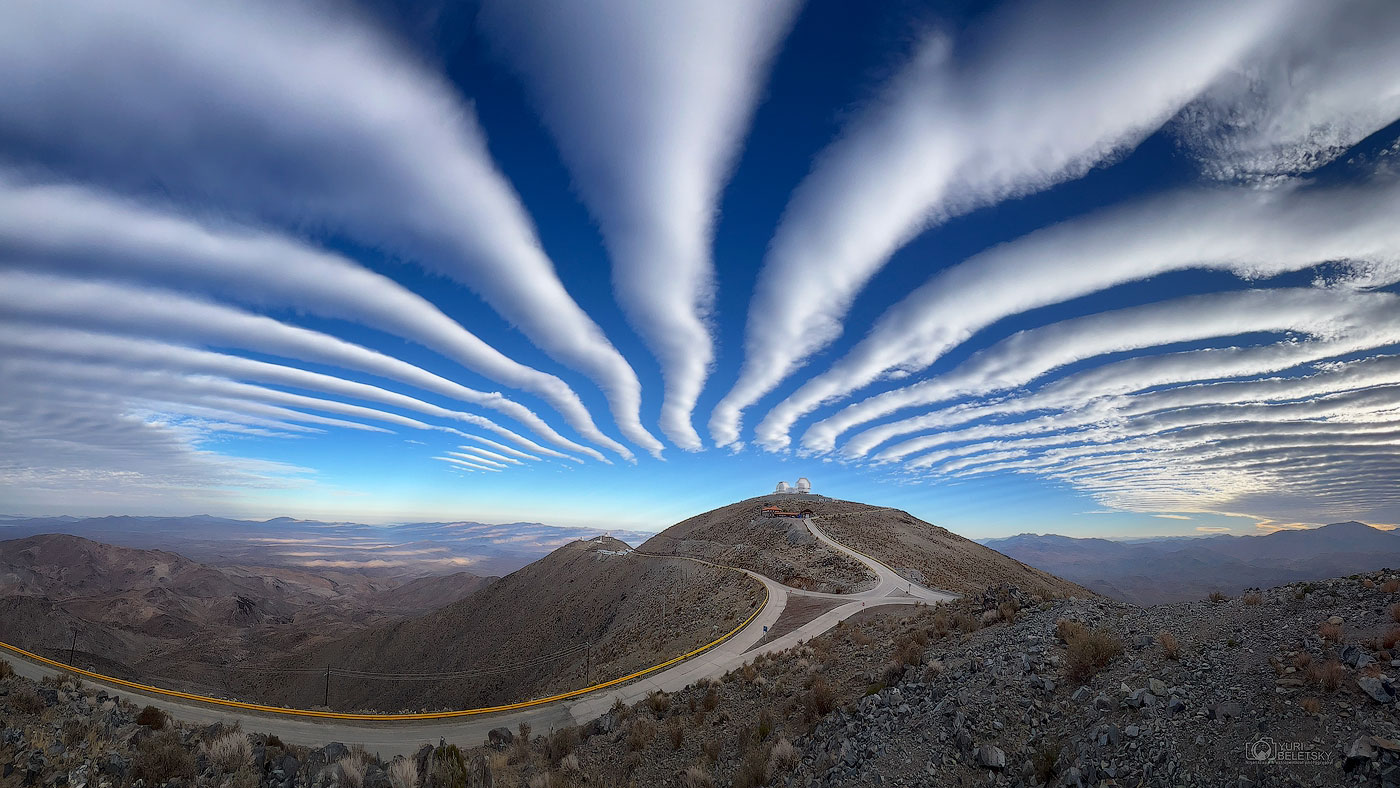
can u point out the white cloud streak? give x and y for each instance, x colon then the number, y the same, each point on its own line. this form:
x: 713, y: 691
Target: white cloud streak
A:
x: 166, y: 314
x: 146, y: 354
x: 1027, y: 103
x: 1249, y: 233
x: 77, y: 229
x: 365, y: 140
x: 648, y: 103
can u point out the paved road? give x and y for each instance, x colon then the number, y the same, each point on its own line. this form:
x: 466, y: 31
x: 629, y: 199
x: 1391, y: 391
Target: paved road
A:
x: 399, y: 737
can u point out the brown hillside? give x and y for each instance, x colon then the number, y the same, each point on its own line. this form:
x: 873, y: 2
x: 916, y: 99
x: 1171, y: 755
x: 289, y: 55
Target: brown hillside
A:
x: 778, y: 547
x: 525, y: 635
x: 158, y: 616
x: 781, y: 548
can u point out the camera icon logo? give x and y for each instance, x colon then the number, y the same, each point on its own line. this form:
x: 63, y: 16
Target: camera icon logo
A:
x: 1260, y: 750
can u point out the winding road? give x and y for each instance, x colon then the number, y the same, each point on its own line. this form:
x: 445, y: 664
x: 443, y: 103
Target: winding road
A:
x: 389, y: 738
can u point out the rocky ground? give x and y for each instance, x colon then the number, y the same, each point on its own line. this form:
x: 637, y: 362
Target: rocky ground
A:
x: 1288, y: 686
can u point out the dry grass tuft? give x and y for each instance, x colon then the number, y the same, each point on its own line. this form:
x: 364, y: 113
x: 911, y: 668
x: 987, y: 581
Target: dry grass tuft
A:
x: 711, y: 700
x: 711, y: 748
x: 659, y: 701
x: 1390, y: 586
x: 1302, y: 660
x: 161, y: 758
x: 1218, y: 596
x: 1253, y: 598
x: 1310, y: 704
x: 1395, y: 613
x: 782, y: 758
x: 1170, y: 648
x: 819, y: 700
x: 696, y: 777
x: 6, y: 669
x: 1329, y: 631
x: 229, y: 752
x: 403, y: 773
x: 1368, y: 583
x: 352, y: 769
x: 643, y: 730
x: 1390, y: 639
x: 26, y: 701
x: 1089, y: 652
x: 560, y: 744
x: 753, y: 769
x: 1068, y: 629
x: 1327, y: 675
x: 675, y: 731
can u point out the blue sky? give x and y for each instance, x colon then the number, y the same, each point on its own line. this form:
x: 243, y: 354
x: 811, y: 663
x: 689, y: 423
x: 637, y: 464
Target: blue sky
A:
x: 1094, y: 268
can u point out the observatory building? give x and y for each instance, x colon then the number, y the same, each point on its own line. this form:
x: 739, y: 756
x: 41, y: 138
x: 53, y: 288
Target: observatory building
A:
x: 804, y: 486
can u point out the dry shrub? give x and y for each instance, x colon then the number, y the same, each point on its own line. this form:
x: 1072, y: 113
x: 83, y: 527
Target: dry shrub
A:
x: 1390, y: 639
x: 1170, y: 648
x: 750, y: 672
x: 352, y: 769
x: 990, y: 617
x: 1327, y: 675
x: 711, y: 700
x: 675, y: 731
x: 711, y: 747
x: 1395, y: 613
x: 560, y: 744
x: 6, y: 669
x: 696, y: 777
x: 1310, y: 704
x: 1089, y: 652
x: 659, y: 701
x: 161, y: 757
x: 1217, y: 596
x: 1068, y: 629
x: 753, y: 769
x: 152, y: 718
x: 403, y: 772
x: 642, y: 732
x: 448, y: 768
x: 966, y: 623
x: 781, y: 758
x: 1008, y: 611
x: 571, y: 767
x: 229, y: 752
x: 74, y: 731
x: 1368, y: 583
x: 1302, y: 660
x: 765, y: 723
x: 1330, y: 631
x: 1253, y: 598
x: 1390, y: 586
x: 933, y: 670
x: 26, y: 701
x: 819, y: 700
x: 859, y: 637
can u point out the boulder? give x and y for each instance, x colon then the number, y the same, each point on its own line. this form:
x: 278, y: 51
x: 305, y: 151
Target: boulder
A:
x: 1379, y: 691
x: 500, y: 738
x: 991, y: 757
x: 1225, y: 711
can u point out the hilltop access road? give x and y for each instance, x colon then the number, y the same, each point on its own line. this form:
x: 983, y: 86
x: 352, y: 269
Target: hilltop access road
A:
x: 393, y: 737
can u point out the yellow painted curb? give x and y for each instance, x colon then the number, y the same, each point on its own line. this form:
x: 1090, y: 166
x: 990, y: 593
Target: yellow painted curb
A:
x: 432, y: 715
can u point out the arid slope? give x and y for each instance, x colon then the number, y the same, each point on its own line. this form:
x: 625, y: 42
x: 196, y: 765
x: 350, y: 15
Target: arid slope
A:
x: 528, y: 634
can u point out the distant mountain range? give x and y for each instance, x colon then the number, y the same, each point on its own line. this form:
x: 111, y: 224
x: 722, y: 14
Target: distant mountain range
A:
x: 1175, y: 569
x: 409, y: 549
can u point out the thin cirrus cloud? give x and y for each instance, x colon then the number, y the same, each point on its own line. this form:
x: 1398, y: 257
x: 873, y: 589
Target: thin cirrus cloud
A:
x: 1030, y: 105
x: 366, y: 140
x: 648, y: 103
x: 163, y: 313
x: 1250, y: 233
x: 147, y: 354
x: 70, y: 227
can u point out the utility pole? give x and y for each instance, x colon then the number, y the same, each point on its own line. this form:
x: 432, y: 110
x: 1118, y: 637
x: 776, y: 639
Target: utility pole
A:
x: 588, y: 662
x: 73, y: 647
x: 327, y: 704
